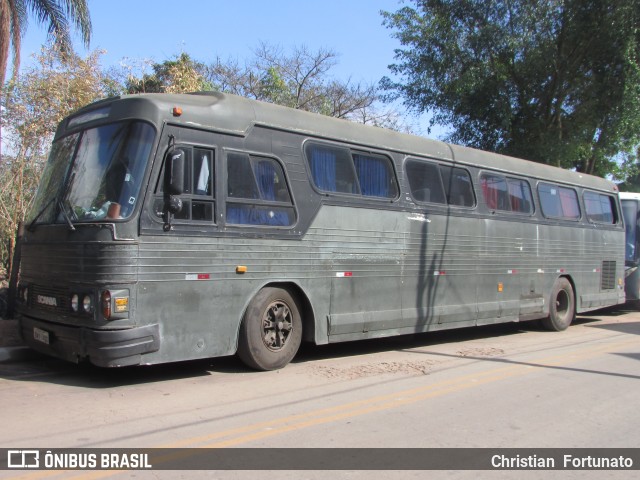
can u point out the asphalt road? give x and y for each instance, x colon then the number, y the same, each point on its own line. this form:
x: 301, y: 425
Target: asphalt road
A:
x: 503, y: 386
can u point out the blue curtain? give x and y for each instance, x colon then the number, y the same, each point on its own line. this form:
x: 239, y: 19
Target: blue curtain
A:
x: 373, y: 176
x: 238, y: 214
x: 252, y: 215
x: 323, y: 168
x: 266, y: 175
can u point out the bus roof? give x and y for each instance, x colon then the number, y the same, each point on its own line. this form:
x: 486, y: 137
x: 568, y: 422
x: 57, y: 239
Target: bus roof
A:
x: 237, y: 115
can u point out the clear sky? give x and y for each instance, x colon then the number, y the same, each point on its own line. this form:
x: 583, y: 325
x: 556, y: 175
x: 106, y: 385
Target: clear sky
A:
x: 161, y: 29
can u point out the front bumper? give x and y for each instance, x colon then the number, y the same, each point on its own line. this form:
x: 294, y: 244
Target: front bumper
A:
x: 104, y: 348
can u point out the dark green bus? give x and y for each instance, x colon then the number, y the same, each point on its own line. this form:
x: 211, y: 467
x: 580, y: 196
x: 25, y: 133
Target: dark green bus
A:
x: 176, y: 227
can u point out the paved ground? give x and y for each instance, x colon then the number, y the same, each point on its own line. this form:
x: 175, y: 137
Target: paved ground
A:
x: 508, y: 385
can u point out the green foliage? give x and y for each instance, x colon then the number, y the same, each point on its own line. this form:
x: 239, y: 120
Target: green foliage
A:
x: 552, y: 81
x: 274, y: 87
x: 172, y: 76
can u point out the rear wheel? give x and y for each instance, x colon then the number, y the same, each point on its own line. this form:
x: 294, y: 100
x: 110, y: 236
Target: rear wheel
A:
x: 271, y: 330
x: 562, y: 309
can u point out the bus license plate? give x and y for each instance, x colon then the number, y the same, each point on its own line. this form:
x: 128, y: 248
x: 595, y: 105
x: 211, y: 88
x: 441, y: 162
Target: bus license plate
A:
x: 41, y: 335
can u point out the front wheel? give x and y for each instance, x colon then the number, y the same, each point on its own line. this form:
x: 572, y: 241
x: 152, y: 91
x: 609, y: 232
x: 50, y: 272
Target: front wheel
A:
x: 562, y: 306
x: 271, y: 330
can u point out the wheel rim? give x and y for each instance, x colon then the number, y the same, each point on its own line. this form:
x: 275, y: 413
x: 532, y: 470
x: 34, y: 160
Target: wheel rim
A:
x: 277, y: 324
x: 562, y: 304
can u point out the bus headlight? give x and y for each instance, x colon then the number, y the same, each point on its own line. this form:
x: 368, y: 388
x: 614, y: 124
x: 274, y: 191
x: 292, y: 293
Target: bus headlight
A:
x: 75, y: 302
x: 87, y: 304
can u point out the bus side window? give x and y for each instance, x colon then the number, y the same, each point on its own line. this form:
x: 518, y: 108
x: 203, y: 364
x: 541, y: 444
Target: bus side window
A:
x: 494, y: 191
x: 425, y: 182
x: 558, y: 202
x: 375, y: 175
x: 202, y: 172
x: 332, y: 168
x: 336, y: 169
x: 506, y: 194
x: 520, y: 199
x: 257, y: 192
x: 241, y: 183
x: 457, y: 186
x: 600, y: 208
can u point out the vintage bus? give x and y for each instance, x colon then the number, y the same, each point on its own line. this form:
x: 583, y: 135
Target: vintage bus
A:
x: 630, y: 210
x: 176, y: 227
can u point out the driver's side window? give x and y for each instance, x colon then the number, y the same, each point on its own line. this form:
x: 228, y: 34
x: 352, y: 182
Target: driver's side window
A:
x: 198, y: 197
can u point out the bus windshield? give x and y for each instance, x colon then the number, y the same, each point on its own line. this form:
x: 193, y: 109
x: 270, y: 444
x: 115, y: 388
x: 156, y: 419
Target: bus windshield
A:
x: 94, y: 174
x: 630, y: 212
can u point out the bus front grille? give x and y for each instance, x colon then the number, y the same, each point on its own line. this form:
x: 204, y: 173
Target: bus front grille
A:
x: 49, y: 298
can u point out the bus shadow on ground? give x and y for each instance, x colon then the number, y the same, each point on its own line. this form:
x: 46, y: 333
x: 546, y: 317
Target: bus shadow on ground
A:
x: 35, y: 367
x: 310, y: 352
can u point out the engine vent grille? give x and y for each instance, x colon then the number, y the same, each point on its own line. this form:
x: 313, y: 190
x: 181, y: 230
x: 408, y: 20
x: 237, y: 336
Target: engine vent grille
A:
x: 608, y: 278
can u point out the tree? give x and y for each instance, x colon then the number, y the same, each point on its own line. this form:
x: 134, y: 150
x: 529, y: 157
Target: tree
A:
x: 548, y: 80
x: 56, y: 13
x: 172, y: 76
x: 37, y: 101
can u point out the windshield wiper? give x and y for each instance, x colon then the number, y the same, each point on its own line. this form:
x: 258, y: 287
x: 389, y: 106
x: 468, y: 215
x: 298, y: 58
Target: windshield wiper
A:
x: 66, y: 215
x: 64, y: 198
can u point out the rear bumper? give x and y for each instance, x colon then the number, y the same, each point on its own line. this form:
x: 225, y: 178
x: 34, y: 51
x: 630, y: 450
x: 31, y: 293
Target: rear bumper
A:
x: 104, y: 348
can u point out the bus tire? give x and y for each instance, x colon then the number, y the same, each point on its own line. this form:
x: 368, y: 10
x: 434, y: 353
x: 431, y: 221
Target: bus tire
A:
x: 562, y: 308
x: 271, y: 330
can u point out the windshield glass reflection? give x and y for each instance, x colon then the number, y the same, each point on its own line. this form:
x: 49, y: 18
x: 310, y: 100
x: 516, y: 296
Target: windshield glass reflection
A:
x: 101, y: 170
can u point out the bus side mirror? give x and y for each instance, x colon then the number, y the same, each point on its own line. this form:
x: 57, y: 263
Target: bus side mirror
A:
x: 173, y: 185
x: 174, y: 172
